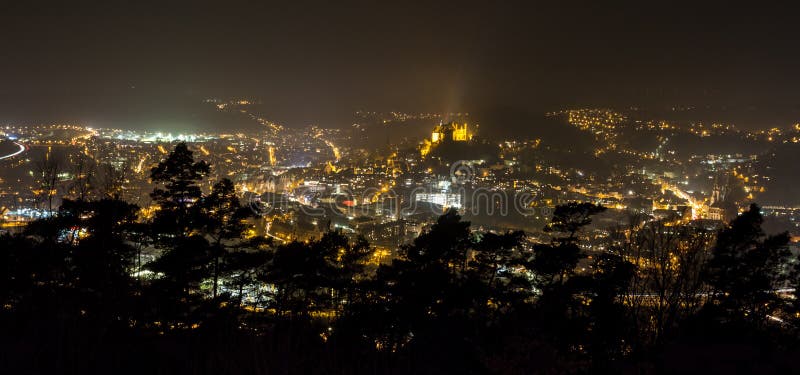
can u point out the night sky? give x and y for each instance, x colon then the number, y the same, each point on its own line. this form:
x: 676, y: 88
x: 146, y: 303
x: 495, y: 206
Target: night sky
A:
x: 144, y: 64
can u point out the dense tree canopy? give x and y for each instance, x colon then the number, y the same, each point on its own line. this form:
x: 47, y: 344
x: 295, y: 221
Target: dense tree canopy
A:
x: 77, y: 296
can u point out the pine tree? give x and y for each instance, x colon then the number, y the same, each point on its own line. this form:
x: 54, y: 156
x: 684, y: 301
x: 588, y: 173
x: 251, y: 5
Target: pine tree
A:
x: 177, y: 192
x: 223, y: 219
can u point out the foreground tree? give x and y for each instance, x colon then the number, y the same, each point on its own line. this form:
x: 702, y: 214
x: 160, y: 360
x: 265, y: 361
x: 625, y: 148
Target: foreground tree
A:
x: 176, y: 228
x: 440, y: 297
x: 223, y: 220
x: 177, y: 192
x: 47, y: 169
x: 556, y: 262
x: 747, y: 268
x: 563, y: 295
x: 315, y: 277
x: 667, y: 286
x: 454, y: 300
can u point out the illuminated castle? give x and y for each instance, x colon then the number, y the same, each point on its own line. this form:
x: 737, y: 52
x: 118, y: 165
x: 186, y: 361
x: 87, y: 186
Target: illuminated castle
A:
x: 458, y: 132
x: 451, y: 131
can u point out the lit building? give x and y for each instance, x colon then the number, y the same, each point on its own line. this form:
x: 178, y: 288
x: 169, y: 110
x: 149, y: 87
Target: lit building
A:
x: 446, y: 200
x: 460, y: 132
x: 455, y: 131
x: 716, y: 213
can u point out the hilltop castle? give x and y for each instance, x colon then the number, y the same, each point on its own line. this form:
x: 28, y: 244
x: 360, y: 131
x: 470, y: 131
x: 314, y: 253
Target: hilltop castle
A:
x: 457, y: 132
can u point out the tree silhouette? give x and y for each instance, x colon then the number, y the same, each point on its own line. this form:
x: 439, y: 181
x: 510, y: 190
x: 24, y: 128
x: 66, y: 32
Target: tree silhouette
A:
x: 454, y: 300
x: 498, y: 263
x: 175, y: 295
x: 747, y: 267
x: 667, y: 285
x: 563, y: 295
x: 556, y: 262
x: 609, y: 322
x: 83, y: 170
x: 47, y: 170
x: 110, y: 179
x: 177, y: 192
x: 175, y: 291
x: 314, y: 276
x: 223, y: 219
x: 242, y: 268
x: 570, y: 218
x: 435, y: 301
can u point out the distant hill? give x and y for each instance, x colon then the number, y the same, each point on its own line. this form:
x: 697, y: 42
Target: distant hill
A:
x: 781, y: 166
x: 510, y: 123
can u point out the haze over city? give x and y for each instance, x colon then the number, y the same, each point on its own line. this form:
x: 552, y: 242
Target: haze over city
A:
x: 144, y: 65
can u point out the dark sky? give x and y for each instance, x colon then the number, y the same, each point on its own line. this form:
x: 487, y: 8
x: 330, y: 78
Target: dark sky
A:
x: 147, y: 62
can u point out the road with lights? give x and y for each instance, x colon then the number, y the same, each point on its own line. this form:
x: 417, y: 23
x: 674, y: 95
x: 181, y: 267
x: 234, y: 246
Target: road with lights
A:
x: 11, y: 155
